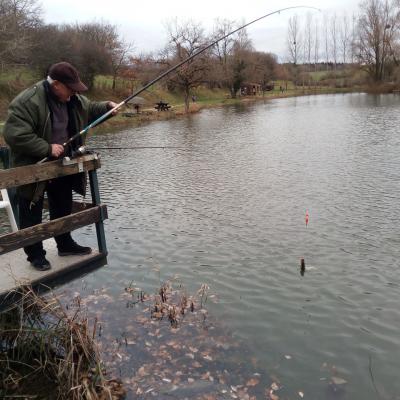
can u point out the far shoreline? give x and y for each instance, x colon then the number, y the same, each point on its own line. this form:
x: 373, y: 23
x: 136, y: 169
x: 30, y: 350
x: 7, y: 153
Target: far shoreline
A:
x: 148, y: 115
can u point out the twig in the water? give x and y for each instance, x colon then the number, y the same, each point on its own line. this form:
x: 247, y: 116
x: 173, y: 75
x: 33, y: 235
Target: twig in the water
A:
x: 372, y: 377
x: 203, y: 292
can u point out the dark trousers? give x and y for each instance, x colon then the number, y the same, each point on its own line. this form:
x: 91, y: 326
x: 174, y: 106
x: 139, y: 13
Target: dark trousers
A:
x: 59, y: 194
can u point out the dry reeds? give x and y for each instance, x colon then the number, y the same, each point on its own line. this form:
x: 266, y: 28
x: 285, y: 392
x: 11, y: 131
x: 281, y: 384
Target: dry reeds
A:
x: 48, y: 353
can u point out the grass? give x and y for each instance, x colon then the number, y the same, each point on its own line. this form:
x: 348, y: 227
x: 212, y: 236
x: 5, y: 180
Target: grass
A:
x: 48, y: 352
x: 22, y: 74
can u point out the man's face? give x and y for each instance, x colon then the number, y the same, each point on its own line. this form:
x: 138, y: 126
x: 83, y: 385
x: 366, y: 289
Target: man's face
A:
x: 62, y: 91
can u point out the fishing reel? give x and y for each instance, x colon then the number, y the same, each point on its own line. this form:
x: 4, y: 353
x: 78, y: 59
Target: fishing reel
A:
x: 80, y: 151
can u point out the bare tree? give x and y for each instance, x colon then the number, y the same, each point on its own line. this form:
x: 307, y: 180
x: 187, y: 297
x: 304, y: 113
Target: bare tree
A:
x: 378, y: 27
x: 326, y: 40
x: 119, y: 58
x: 316, y: 45
x: 344, y: 38
x: 223, y: 52
x: 308, y: 39
x: 293, y: 39
x: 60, y: 47
x: 18, y: 20
x: 240, y: 60
x: 261, y: 68
x: 90, y: 46
x: 185, y: 39
x: 334, y: 40
x: 294, y: 43
x: 353, y: 38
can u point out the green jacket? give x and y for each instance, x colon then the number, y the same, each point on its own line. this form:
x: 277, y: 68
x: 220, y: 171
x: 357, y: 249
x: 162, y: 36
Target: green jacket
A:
x: 28, y: 130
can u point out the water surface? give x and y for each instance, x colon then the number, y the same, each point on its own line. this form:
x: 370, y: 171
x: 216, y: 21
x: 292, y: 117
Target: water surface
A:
x: 226, y: 207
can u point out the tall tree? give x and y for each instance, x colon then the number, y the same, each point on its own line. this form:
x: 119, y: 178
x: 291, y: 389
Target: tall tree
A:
x: 334, y: 41
x: 308, y: 40
x: 344, y: 38
x: 294, y: 44
x: 18, y: 20
x: 316, y: 45
x: 223, y: 52
x: 326, y: 40
x: 240, y: 60
x: 120, y: 55
x: 92, y: 47
x: 263, y: 68
x: 95, y: 43
x: 378, y: 27
x: 185, y: 39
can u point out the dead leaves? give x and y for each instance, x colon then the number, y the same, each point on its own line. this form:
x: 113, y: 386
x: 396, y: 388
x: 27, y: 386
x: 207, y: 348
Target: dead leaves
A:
x: 253, y: 382
x: 338, y: 381
x: 270, y: 392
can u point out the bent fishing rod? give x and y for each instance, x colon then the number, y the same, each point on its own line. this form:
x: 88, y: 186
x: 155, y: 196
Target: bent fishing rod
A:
x: 111, y: 112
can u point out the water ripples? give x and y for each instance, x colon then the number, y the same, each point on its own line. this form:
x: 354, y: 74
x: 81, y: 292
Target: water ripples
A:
x: 227, y: 208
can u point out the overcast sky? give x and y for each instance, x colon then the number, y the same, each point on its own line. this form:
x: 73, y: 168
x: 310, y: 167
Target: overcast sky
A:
x: 143, y: 22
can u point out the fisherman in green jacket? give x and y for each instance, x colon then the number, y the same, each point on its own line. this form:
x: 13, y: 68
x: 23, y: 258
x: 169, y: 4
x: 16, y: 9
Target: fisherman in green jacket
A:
x: 40, y: 119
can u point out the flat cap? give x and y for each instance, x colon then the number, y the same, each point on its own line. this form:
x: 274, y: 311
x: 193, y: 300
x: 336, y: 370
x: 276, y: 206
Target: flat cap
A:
x: 67, y: 74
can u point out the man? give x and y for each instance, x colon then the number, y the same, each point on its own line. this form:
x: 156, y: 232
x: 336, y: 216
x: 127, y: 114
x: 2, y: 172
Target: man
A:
x: 40, y: 119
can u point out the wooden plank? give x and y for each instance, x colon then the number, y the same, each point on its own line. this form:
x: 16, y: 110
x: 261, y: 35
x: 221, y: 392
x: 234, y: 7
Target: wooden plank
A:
x: 48, y: 170
x: 15, y: 271
x: 28, y: 236
x: 94, y: 189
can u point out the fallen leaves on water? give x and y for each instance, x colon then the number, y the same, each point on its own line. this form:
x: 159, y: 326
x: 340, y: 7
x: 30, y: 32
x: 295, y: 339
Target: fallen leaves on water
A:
x: 274, y: 386
x: 252, y: 382
x: 169, y: 346
x: 270, y: 395
x: 338, y: 381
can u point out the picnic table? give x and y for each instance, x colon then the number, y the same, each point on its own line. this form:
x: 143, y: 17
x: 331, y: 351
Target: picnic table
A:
x: 162, y: 106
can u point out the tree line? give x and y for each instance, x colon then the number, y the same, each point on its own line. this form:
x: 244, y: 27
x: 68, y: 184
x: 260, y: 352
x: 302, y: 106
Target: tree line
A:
x: 98, y: 48
x: 26, y: 40
x: 369, y: 40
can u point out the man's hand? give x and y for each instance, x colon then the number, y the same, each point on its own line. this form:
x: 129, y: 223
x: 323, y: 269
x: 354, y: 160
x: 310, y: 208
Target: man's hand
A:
x: 56, y: 150
x: 111, y: 105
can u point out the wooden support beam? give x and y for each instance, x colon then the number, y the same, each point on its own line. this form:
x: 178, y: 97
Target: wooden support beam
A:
x: 49, y: 170
x: 28, y: 236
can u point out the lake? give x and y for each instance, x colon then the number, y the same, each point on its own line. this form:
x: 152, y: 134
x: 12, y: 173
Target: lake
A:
x: 223, y: 203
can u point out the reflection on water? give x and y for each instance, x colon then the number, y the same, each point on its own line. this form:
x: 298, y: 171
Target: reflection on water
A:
x: 227, y: 208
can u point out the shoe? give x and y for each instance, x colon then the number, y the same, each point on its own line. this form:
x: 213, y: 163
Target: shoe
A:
x: 40, y: 264
x: 73, y: 249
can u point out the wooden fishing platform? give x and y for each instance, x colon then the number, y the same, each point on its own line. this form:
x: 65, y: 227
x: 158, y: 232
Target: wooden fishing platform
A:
x: 15, y: 270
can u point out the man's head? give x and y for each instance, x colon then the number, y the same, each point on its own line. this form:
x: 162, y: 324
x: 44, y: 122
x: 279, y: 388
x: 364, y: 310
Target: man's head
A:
x: 65, y: 81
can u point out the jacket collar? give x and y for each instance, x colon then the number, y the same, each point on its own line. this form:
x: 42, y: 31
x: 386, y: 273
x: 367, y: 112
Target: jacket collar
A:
x: 73, y: 102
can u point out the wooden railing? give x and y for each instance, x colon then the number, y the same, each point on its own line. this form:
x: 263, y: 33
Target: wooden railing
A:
x: 92, y: 213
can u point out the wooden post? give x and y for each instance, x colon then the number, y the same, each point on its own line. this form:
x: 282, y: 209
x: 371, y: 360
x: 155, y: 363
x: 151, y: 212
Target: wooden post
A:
x: 94, y: 189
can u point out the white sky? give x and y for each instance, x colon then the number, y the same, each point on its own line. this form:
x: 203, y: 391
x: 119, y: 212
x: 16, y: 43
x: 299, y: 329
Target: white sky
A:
x: 143, y: 21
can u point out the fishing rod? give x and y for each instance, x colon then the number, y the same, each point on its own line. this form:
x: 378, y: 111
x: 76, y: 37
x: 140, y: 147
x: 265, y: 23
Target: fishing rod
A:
x: 82, y: 149
x: 111, y: 112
